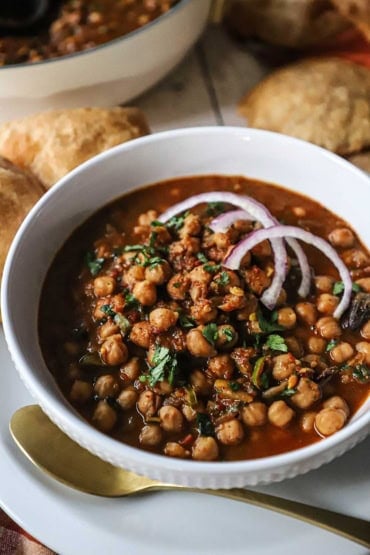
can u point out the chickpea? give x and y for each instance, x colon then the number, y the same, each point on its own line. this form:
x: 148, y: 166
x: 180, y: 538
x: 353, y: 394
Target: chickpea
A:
x: 364, y: 283
x: 202, y: 311
x: 221, y: 366
x: 103, y: 286
x: 329, y: 420
x: 328, y: 327
x: 104, y: 417
x: 254, y: 414
x: 158, y: 273
x: 98, y: 313
x: 145, y: 292
x: 81, y: 392
x: 337, y: 402
x: 189, y: 413
x: 286, y: 317
x: 178, y: 286
x: 365, y: 330
x: 113, y: 351
x: 327, y: 303
x: 308, y: 421
x: 173, y: 449
x: 227, y: 336
x: 162, y: 319
x: 141, y: 334
x: 146, y: 218
x: 198, y: 345
x: 280, y: 414
x: 341, y: 237
x: 127, y: 398
x: 230, y: 432
x: 355, y: 258
x: 307, y: 313
x: 106, y: 386
x: 205, y: 449
x: 200, y: 275
x: 316, y: 345
x: 148, y: 403
x: 150, y: 435
x: 199, y: 382
x: 284, y: 366
x: 364, y: 348
x: 131, y: 370
x: 324, y: 284
x: 163, y: 387
x: 171, y: 419
x: 134, y: 274
x: 192, y: 226
x: 341, y: 352
x: 107, y: 329
x: 308, y: 392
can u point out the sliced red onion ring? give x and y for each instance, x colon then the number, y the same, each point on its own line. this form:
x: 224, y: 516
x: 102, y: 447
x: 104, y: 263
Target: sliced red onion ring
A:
x: 222, y: 223
x: 234, y: 259
x: 259, y: 213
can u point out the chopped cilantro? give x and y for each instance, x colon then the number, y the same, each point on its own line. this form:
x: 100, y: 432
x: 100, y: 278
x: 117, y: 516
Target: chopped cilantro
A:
x: 228, y: 333
x: 215, y: 208
x: 131, y: 300
x: 234, y: 386
x: 276, y: 343
x: 152, y: 262
x: 122, y: 322
x: 361, y: 373
x: 133, y: 248
x: 264, y: 381
x: 224, y: 278
x: 177, y: 284
x: 332, y: 343
x: 164, y: 366
x: 156, y: 223
x: 288, y: 392
x: 176, y: 222
x: 210, y: 332
x: 94, y: 264
x: 211, y: 267
x: 268, y: 326
x: 185, y: 321
x: 338, y: 288
x: 202, y: 258
x: 205, y: 425
x: 108, y: 310
x: 152, y: 239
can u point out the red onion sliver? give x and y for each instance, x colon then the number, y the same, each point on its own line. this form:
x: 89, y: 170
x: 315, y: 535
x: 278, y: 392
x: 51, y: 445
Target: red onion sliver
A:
x: 233, y: 260
x: 259, y: 213
x: 222, y: 222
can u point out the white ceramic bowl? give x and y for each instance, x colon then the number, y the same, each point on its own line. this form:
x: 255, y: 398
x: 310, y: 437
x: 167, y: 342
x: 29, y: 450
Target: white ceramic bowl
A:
x: 111, y: 73
x: 215, y: 150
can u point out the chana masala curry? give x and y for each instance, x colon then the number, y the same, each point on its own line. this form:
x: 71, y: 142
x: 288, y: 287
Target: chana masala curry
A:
x: 211, y: 318
x: 75, y: 25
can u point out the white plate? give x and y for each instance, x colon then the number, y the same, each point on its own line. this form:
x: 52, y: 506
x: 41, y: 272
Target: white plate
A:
x: 168, y: 523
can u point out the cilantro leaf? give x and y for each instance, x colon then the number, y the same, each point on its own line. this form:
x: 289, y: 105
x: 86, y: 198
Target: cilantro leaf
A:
x: 186, y: 322
x: 215, y: 208
x: 164, y: 365
x: 288, y: 392
x: 228, y: 333
x: 202, y: 258
x: 276, y: 343
x: 211, y: 267
x: 224, y: 278
x: 268, y: 326
x: 122, y: 322
x: 94, y: 264
x: 234, y: 386
x: 205, y: 425
x: 108, y: 310
x: 176, y: 222
x: 332, y: 343
x: 210, y: 332
x: 338, y: 288
x: 361, y: 373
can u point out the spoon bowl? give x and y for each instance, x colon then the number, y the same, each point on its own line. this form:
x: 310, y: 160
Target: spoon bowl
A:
x: 76, y: 467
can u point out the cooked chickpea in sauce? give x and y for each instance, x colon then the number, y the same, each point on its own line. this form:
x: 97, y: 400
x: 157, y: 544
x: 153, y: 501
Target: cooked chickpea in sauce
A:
x: 159, y: 339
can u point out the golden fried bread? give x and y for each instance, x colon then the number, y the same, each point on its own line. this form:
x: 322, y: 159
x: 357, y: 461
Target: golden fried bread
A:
x: 51, y: 144
x: 357, y: 12
x: 361, y: 160
x: 325, y: 101
x: 306, y: 23
x: 19, y: 191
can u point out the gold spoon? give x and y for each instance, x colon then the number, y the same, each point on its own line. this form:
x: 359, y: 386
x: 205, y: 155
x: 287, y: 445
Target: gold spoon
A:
x: 54, y: 452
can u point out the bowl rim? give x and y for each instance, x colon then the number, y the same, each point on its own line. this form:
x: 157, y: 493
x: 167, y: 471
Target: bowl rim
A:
x: 53, y: 406
x: 132, y: 34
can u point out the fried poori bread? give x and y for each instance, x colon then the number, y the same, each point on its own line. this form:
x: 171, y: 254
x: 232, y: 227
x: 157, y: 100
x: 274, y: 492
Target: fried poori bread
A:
x: 361, y: 160
x: 357, y: 12
x: 296, y: 24
x: 19, y: 191
x: 325, y: 101
x: 51, y: 144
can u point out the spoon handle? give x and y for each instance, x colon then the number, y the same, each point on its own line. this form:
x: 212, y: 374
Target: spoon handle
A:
x: 352, y: 528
